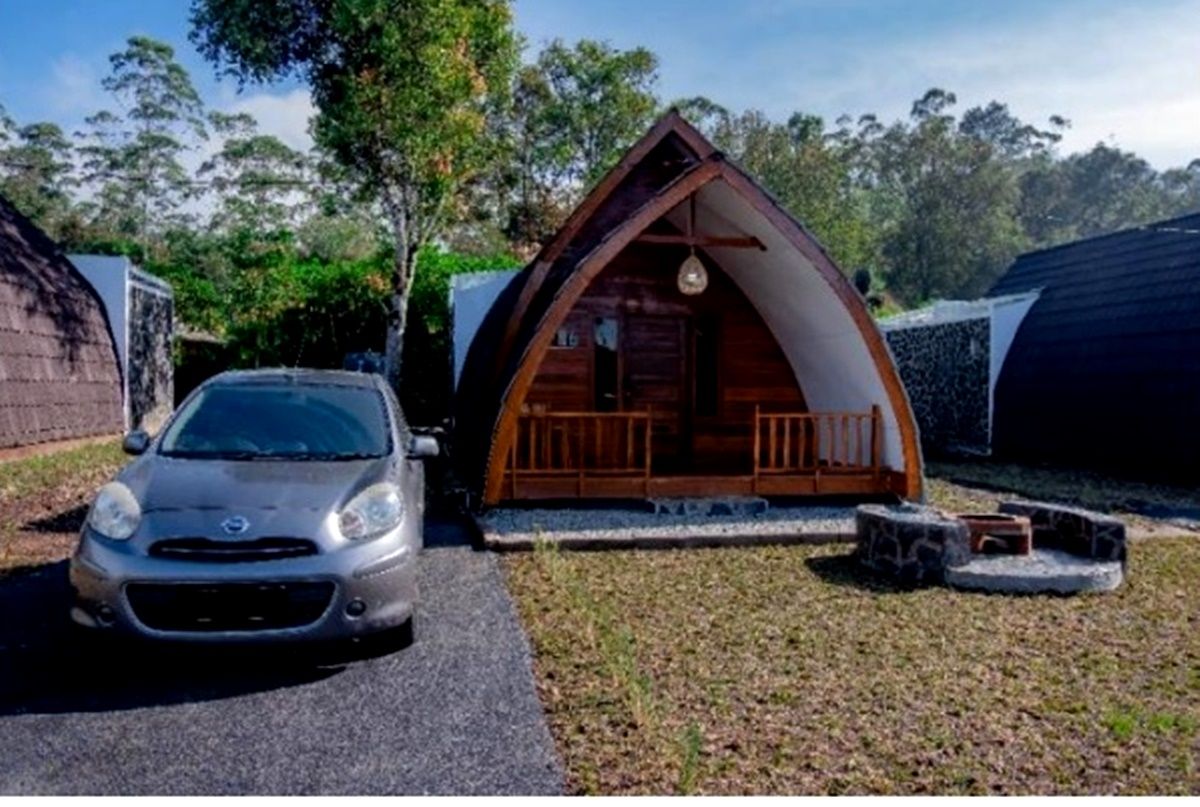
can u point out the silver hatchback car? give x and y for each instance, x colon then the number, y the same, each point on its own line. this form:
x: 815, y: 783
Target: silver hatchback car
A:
x: 274, y: 504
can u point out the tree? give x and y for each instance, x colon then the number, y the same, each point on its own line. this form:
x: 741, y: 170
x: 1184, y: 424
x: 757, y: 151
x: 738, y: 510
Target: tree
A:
x: 1011, y: 138
x: 259, y: 180
x: 37, y: 173
x: 944, y: 203
x: 577, y: 109
x: 135, y: 161
x: 404, y: 93
x: 1182, y: 186
x: 1094, y: 192
x: 807, y: 169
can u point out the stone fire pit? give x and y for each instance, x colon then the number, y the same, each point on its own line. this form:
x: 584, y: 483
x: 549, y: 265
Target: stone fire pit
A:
x: 910, y: 543
x: 998, y: 533
x: 1029, y: 547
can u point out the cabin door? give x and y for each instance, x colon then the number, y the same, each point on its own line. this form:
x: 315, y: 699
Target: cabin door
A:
x: 654, y: 360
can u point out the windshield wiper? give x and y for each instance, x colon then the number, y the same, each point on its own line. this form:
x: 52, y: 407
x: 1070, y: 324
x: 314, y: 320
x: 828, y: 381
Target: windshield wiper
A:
x: 329, y: 456
x: 214, y: 455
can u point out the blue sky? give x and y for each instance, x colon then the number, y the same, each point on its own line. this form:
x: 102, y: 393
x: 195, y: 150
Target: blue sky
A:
x: 1123, y: 73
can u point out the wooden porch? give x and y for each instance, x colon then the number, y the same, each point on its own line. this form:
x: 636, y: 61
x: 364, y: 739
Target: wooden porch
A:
x: 611, y: 455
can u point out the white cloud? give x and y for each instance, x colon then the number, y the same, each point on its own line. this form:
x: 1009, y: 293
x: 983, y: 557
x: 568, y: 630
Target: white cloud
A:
x: 74, y: 86
x: 1128, y: 76
x: 285, y: 116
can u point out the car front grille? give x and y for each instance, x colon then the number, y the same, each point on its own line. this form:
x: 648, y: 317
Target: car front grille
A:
x: 209, y: 607
x: 207, y: 550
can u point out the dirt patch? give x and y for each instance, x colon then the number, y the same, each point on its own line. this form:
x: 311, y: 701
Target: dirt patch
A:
x: 43, y: 501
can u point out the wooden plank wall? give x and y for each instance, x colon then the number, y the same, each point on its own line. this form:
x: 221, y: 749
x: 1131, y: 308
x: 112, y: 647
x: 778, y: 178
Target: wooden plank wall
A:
x: 752, y: 369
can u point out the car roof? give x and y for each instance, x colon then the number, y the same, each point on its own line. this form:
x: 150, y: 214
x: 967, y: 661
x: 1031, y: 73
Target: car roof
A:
x: 297, y: 375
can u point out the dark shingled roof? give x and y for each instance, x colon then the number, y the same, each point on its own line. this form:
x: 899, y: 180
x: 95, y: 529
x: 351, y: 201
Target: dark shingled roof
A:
x: 59, y: 374
x: 1105, y: 369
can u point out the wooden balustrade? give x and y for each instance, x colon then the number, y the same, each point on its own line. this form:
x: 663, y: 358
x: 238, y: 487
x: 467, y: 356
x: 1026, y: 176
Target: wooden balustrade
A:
x: 610, y: 454
x: 808, y: 442
x: 581, y: 444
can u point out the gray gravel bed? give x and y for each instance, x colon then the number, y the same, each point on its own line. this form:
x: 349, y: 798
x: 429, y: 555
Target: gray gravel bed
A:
x: 455, y: 713
x: 520, y: 529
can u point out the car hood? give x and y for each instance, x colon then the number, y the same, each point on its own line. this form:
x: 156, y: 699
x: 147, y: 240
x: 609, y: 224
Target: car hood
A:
x: 166, y: 483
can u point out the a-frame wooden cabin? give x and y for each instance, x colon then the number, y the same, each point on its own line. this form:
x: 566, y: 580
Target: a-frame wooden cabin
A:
x: 614, y: 366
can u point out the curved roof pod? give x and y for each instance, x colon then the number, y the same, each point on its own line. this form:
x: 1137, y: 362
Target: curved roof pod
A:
x: 59, y: 373
x: 1103, y: 371
x: 819, y: 320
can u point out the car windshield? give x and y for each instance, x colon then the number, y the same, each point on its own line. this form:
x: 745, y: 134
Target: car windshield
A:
x: 280, y: 421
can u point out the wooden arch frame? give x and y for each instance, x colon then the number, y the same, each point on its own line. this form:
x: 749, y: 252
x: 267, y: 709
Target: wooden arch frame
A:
x: 710, y: 169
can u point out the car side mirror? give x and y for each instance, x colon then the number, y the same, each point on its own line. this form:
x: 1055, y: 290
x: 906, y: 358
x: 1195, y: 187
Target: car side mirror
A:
x: 422, y: 447
x: 136, y: 442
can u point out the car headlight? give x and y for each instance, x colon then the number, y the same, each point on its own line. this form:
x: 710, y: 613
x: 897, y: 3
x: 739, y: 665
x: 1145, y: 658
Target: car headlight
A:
x: 374, y: 511
x: 115, y: 513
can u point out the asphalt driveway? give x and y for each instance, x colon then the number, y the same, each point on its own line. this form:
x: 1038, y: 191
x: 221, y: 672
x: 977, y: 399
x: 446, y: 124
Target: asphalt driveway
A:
x: 456, y: 713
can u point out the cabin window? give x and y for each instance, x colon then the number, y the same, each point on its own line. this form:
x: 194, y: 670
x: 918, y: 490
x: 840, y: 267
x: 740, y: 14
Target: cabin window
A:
x: 707, y: 358
x: 566, y: 337
x: 605, y: 372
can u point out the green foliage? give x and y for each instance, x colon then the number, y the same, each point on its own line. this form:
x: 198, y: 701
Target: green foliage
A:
x: 427, y: 381
x: 690, y: 741
x: 947, y: 222
x: 286, y: 310
x: 198, y: 301
x: 136, y: 161
x: 255, y: 176
x: 811, y: 173
x: 577, y: 109
x: 36, y: 172
x: 404, y: 97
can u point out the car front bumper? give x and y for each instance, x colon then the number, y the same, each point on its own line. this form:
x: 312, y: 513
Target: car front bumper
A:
x: 351, y: 592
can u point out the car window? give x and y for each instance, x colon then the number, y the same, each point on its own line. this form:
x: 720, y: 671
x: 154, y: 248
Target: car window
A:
x: 280, y: 421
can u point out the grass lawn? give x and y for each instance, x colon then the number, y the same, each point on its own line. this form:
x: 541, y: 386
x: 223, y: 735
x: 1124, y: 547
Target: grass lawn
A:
x: 43, y: 501
x: 965, y: 484
x: 788, y: 670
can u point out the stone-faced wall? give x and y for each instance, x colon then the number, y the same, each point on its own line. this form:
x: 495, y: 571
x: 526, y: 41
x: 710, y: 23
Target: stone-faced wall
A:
x: 151, y: 371
x: 1072, y: 529
x: 946, y: 369
x: 909, y: 543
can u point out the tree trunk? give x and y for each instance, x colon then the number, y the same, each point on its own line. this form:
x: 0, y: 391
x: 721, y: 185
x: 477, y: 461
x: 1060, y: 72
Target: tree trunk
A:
x: 402, y: 275
x: 394, y: 352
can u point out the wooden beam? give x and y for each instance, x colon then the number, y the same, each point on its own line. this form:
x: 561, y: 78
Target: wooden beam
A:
x: 701, y: 240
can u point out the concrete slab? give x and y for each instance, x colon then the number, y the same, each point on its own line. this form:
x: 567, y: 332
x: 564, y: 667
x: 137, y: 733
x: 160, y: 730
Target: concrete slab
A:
x: 1042, y: 571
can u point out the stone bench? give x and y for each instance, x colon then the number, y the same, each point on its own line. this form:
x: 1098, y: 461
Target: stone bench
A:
x: 910, y: 543
x: 1072, y: 529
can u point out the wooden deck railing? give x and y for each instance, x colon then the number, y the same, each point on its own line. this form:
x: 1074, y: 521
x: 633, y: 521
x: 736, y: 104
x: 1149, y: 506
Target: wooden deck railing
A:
x: 807, y: 442
x: 581, y: 444
x: 610, y: 454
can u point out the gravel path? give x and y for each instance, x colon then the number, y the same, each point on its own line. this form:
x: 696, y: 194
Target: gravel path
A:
x: 600, y: 528
x: 456, y: 713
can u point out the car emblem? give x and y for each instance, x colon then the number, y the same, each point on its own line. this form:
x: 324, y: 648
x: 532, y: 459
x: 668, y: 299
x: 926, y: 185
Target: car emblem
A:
x: 235, y: 525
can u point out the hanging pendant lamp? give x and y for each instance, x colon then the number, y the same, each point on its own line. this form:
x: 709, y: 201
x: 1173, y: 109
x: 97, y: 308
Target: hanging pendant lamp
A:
x: 693, y: 277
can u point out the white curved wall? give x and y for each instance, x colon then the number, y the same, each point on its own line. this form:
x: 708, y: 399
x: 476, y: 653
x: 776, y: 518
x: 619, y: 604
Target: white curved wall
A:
x: 815, y: 330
